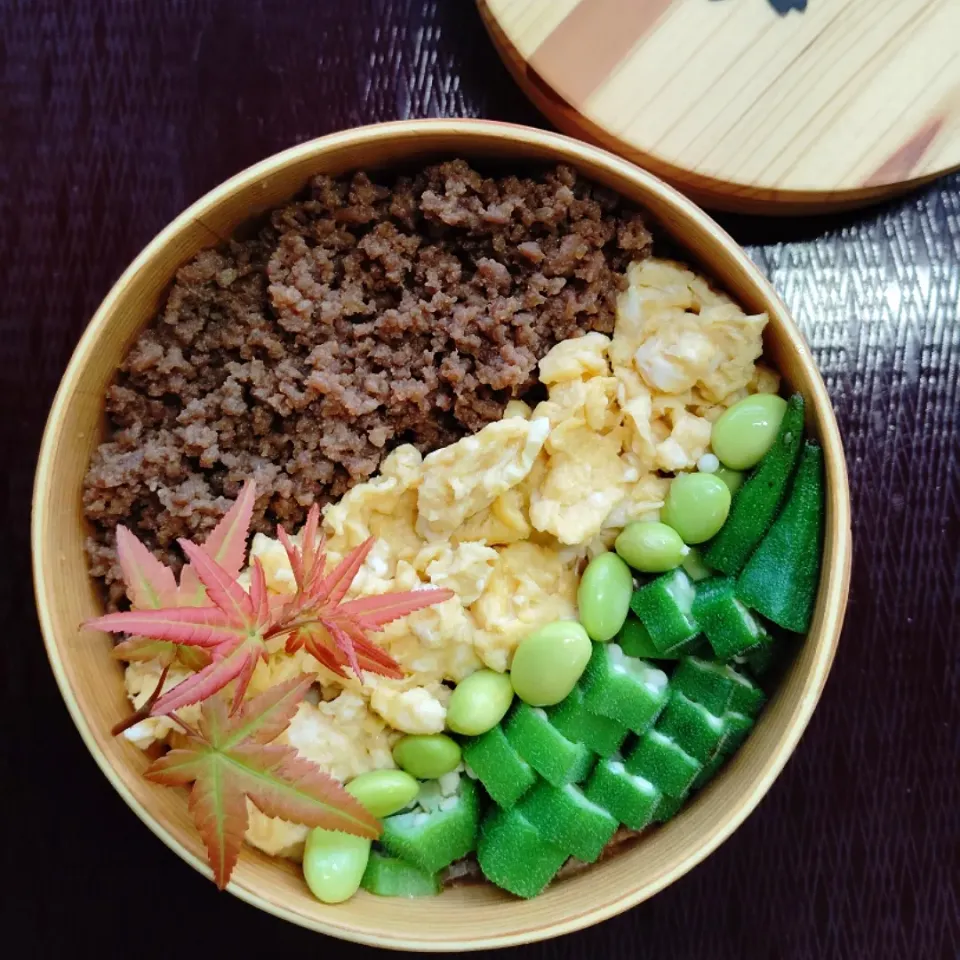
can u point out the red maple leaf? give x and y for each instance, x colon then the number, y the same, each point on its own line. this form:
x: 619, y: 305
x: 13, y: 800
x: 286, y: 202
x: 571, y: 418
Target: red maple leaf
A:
x: 231, y: 757
x: 317, y: 609
x: 234, y: 631
x: 151, y: 584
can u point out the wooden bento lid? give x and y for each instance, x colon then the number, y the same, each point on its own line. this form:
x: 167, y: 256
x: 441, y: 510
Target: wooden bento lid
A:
x: 763, y: 106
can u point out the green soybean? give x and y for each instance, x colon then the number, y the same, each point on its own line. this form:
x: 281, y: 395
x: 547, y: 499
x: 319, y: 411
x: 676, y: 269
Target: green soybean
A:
x: 603, y: 597
x: 697, y: 505
x: 694, y: 566
x: 426, y: 756
x: 333, y: 864
x: 479, y: 702
x: 384, y: 792
x: 732, y: 478
x: 547, y: 664
x: 747, y: 430
x: 650, y: 547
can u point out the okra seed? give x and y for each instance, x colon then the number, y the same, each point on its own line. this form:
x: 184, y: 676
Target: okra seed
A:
x: 708, y: 463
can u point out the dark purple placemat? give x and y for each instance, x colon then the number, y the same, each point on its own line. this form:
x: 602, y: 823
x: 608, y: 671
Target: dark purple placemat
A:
x: 114, y: 115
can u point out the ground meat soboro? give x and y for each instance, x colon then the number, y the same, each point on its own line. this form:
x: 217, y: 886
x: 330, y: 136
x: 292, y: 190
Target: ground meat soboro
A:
x: 359, y: 318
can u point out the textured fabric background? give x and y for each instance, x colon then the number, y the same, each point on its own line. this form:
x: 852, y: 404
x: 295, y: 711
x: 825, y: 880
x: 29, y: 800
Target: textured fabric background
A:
x: 116, y: 114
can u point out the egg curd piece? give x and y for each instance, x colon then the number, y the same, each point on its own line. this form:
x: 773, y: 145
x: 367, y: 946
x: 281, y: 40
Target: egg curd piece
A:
x: 436, y: 643
x: 281, y: 666
x: 585, y: 479
x: 433, y: 644
x: 384, y: 507
x: 507, y: 519
x: 531, y: 586
x: 576, y: 359
x: 517, y: 408
x: 276, y: 564
x: 342, y: 736
x: 504, y: 521
x: 466, y: 477
x: 416, y: 710
x: 688, y: 442
x: 140, y: 680
x: 594, y: 401
x: 642, y: 501
x: 682, y: 334
x: 636, y: 402
x: 682, y: 353
x: 464, y: 568
x: 274, y: 836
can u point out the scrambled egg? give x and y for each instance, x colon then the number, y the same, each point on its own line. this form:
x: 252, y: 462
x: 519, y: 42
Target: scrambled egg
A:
x: 342, y: 736
x: 469, y: 475
x: 506, y: 518
x: 532, y: 586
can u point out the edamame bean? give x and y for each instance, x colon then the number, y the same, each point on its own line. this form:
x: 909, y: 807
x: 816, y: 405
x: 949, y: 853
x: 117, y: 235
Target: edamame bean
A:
x: 333, y: 864
x: 747, y: 430
x: 547, y: 664
x: 697, y: 505
x: 603, y: 596
x: 694, y: 566
x: 732, y: 478
x: 651, y: 547
x: 426, y: 756
x: 479, y: 702
x: 384, y: 792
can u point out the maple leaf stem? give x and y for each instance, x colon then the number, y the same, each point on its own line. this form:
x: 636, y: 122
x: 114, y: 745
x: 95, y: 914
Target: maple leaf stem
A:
x: 183, y: 723
x: 144, y: 711
x: 288, y: 628
x: 127, y: 723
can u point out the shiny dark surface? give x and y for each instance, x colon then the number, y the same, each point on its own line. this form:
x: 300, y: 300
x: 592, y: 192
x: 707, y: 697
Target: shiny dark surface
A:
x: 116, y: 114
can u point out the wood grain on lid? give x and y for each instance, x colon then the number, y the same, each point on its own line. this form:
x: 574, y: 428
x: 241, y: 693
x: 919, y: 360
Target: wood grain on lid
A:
x: 590, y: 42
x: 844, y: 101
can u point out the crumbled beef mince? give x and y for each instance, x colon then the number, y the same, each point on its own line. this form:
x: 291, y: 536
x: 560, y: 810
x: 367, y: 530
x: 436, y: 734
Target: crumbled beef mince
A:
x: 358, y: 318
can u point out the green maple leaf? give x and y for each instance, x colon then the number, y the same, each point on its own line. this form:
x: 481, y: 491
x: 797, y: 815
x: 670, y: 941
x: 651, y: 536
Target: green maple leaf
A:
x: 231, y: 757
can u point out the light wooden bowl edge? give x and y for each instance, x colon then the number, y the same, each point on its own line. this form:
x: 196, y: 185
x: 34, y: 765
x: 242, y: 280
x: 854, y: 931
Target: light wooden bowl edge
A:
x: 837, y: 577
